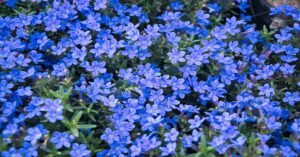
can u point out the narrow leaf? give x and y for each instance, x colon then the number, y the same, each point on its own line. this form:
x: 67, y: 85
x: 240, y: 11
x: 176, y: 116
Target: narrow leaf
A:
x: 76, y: 117
x: 86, y: 126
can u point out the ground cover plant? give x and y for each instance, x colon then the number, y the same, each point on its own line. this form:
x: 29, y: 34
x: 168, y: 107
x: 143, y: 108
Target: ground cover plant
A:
x: 148, y: 78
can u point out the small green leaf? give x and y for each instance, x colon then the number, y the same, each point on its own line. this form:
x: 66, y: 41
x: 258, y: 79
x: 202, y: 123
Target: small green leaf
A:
x: 68, y: 107
x: 92, y: 117
x: 76, y: 117
x: 91, y: 134
x: 210, y: 148
x: 75, y: 132
x: 210, y: 155
x: 203, y: 141
x: 67, y: 123
x: 86, y: 126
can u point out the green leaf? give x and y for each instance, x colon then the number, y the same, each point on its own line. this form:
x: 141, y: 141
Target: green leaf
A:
x: 76, y: 117
x: 210, y: 155
x: 68, y: 107
x: 67, y: 123
x: 86, y: 126
x: 55, y: 94
x: 91, y: 134
x: 210, y: 148
x: 203, y: 141
x: 199, y: 154
x: 92, y: 117
x: 75, y: 132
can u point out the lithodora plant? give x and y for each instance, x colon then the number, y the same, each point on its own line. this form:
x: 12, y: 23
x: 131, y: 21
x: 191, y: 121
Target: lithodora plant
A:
x: 133, y: 78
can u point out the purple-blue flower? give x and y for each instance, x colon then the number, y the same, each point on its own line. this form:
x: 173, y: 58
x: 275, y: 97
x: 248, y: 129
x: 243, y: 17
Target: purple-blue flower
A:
x: 61, y: 139
x: 176, y: 56
x: 168, y: 150
x: 196, y: 122
x: 172, y: 135
x: 35, y: 133
x: 266, y: 90
x: 79, y: 150
x: 53, y: 109
x: 291, y: 98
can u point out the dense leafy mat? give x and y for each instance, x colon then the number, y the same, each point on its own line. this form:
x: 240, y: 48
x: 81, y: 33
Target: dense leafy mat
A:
x: 147, y: 78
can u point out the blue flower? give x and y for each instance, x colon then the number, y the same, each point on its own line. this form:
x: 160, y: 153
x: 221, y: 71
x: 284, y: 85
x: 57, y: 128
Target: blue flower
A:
x: 61, y: 139
x: 215, y: 89
x: 36, y: 57
x: 173, y: 38
x: 54, y: 110
x: 188, y: 70
x: 239, y: 141
x: 291, y: 98
x: 267, y: 150
x: 196, y: 122
x: 211, y: 45
x: 109, y: 136
x: 22, y: 61
x: 263, y: 138
x: 266, y: 90
x: 110, y: 101
x: 176, y: 5
x: 288, y: 58
x: 152, y: 123
x: 287, y: 69
x: 52, y: 23
x: 177, y: 84
x: 135, y: 150
x: 79, y: 54
x: 24, y: 91
x: 144, y: 42
x: 79, y: 150
x: 11, y: 152
x: 5, y: 88
x: 107, y: 46
x: 214, y: 7
x: 286, y: 151
x: 272, y: 124
x: 171, y: 136
x: 243, y: 5
x: 197, y: 58
x: 168, y: 150
x: 35, y: 133
x: 143, y: 18
x: 29, y: 150
x: 59, y: 70
x: 152, y: 31
x: 283, y: 36
x: 82, y: 38
x: 44, y: 43
x: 96, y: 68
x: 187, y: 141
x: 132, y: 32
x: 202, y: 18
x: 169, y: 16
x: 100, y: 4
x: 10, y: 130
x: 126, y: 74
x: 296, y: 126
x: 219, y: 33
x: 176, y: 56
x: 58, y: 49
x: 156, y: 96
x: 217, y: 141
x: 134, y: 10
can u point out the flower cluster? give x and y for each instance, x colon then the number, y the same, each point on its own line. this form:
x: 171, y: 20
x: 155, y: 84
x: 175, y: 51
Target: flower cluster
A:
x: 147, y: 78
